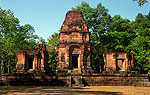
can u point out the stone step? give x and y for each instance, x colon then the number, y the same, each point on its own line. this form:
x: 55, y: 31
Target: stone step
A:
x: 146, y: 84
x: 77, y: 85
x: 76, y: 81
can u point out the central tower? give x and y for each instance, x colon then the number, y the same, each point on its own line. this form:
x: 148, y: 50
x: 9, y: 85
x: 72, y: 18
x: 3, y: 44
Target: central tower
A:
x: 74, y: 50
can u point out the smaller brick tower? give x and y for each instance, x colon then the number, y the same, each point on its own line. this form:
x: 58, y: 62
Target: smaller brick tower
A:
x: 74, y: 50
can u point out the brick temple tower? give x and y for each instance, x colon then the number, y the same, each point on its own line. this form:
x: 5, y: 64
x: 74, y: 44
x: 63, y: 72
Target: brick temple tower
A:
x: 74, y: 48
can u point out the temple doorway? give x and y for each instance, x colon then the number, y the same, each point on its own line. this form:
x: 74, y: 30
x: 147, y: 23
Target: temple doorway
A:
x: 120, y: 65
x: 75, y: 61
x: 29, y: 62
x: 74, y: 57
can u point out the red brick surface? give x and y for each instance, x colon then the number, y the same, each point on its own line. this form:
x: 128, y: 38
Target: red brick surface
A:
x: 118, y: 61
x: 74, y: 37
x: 40, y: 58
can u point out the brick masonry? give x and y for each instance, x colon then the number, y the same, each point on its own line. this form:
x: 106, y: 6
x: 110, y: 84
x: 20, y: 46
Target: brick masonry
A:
x: 118, y: 62
x: 74, y: 43
x: 33, y: 60
x: 122, y: 79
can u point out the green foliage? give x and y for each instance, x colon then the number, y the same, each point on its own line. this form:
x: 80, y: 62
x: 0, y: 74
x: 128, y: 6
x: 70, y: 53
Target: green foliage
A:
x: 41, y: 40
x: 140, y: 46
x: 13, y: 37
x: 141, y: 2
x: 53, y: 40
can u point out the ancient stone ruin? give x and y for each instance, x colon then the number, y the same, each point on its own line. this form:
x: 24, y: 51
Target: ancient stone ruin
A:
x: 118, y: 62
x: 74, y: 48
x: 74, y: 64
x: 33, y: 60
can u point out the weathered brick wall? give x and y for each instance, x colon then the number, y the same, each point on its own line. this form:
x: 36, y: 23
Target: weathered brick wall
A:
x: 88, y: 80
x: 113, y: 80
x: 20, y: 61
x: 21, y: 58
x: 27, y: 79
x: 118, y: 61
x: 40, y: 59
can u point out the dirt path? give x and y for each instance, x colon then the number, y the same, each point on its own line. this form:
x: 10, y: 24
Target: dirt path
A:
x: 92, y: 90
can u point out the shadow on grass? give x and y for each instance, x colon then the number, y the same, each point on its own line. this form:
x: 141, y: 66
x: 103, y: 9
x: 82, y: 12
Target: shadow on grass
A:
x: 51, y: 90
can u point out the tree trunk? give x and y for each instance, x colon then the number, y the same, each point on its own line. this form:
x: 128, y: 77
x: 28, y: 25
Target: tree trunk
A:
x: 2, y: 65
x: 8, y: 64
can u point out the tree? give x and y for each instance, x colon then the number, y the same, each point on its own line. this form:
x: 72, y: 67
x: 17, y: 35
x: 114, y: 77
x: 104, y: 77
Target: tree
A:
x: 41, y: 40
x: 26, y: 37
x: 119, y: 35
x: 140, y: 46
x: 141, y: 2
x: 13, y: 37
x: 53, y: 40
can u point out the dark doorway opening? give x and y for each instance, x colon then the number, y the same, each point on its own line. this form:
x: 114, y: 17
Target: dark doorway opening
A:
x: 73, y: 81
x: 74, y: 61
x: 30, y: 62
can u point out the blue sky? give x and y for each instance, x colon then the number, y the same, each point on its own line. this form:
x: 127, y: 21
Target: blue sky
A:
x: 47, y: 16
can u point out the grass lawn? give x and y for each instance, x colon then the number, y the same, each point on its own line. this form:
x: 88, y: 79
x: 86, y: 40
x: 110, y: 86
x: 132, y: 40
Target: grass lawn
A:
x: 88, y: 90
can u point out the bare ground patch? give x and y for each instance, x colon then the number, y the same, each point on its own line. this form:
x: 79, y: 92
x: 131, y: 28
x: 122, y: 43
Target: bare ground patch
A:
x: 89, y: 90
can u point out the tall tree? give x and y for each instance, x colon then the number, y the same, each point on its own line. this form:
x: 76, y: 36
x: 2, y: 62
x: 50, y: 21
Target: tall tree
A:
x: 13, y: 37
x: 140, y: 46
x: 53, y: 40
x: 119, y: 35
